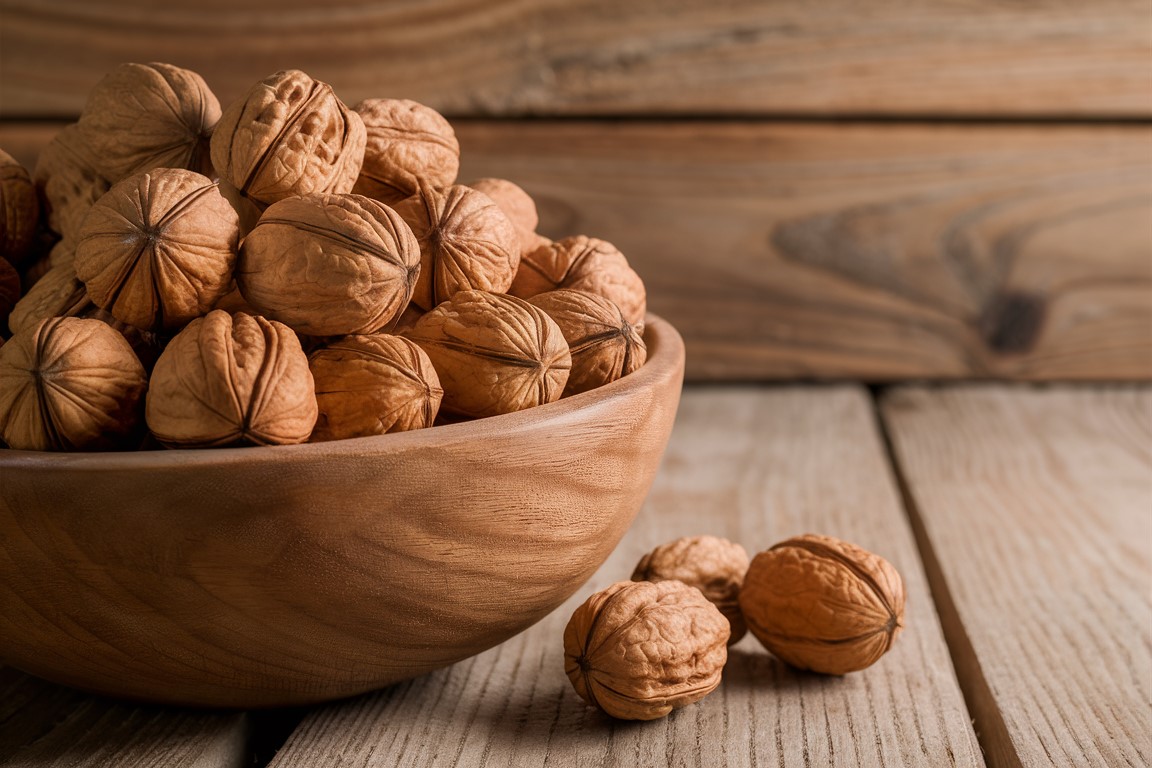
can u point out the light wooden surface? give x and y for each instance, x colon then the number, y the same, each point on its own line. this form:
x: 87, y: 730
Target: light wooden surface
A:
x: 878, y: 252
x: 1037, y: 505
x: 269, y: 576
x: 595, y: 57
x: 753, y: 465
x: 48, y: 726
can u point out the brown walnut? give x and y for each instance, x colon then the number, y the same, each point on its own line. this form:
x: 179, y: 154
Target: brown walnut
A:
x: 68, y: 181
x: 823, y: 604
x: 19, y: 210
x: 372, y: 385
x: 158, y: 250
x: 493, y: 353
x: 145, y: 116
x: 713, y: 565
x: 330, y: 265
x: 69, y: 384
x: 407, y: 143
x: 466, y: 242
x: 604, y: 345
x: 517, y: 205
x: 583, y: 264
x: 9, y: 291
x: 231, y: 380
x: 288, y: 136
x: 638, y: 650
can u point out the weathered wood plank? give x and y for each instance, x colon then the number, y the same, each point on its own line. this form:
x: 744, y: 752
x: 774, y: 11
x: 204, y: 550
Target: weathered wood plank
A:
x: 49, y: 726
x: 1037, y: 508
x: 754, y: 465
x: 596, y: 57
x: 857, y: 251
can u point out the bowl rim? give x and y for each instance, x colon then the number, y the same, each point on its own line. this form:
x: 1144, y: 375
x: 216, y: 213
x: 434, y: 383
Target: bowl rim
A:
x: 665, y: 359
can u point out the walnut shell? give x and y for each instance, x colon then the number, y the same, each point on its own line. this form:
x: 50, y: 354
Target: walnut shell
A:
x: 823, y: 604
x: 494, y: 354
x: 466, y: 242
x: 372, y: 385
x: 329, y: 265
x: 407, y: 143
x: 604, y: 345
x: 69, y: 384
x: 289, y: 135
x: 231, y: 380
x: 68, y: 182
x: 19, y: 210
x: 713, y: 565
x: 638, y: 650
x: 517, y: 205
x: 583, y: 264
x: 145, y: 116
x: 158, y: 250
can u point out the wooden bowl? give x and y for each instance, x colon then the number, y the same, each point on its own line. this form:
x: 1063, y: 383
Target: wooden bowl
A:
x: 252, y: 577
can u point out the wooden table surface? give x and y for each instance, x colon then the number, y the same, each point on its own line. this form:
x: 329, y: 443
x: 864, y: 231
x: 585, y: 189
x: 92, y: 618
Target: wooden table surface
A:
x: 1020, y: 518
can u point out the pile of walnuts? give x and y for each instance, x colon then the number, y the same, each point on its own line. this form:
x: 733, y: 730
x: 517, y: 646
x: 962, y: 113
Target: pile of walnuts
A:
x: 641, y: 648
x: 283, y: 270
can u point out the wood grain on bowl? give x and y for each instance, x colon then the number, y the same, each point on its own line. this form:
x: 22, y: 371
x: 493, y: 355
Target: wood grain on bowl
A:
x: 294, y: 574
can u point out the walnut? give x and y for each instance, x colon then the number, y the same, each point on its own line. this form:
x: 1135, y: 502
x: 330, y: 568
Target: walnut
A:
x: 145, y: 116
x: 407, y: 143
x: 372, y: 385
x: 493, y: 353
x: 34, y: 271
x: 583, y: 264
x: 61, y: 294
x: 638, y: 650
x: 9, y: 291
x: 713, y: 565
x: 231, y: 380
x: 604, y: 345
x: 330, y: 265
x: 288, y: 136
x: 69, y: 384
x: 20, y: 212
x: 158, y: 250
x: 68, y: 182
x: 466, y: 242
x: 517, y: 205
x: 823, y: 604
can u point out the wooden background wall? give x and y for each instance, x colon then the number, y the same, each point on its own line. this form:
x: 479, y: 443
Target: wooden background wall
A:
x: 870, y: 189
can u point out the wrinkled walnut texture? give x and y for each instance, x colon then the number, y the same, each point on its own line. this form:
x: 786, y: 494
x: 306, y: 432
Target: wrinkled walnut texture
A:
x: 823, y: 604
x: 19, y: 210
x: 583, y: 264
x: 145, y: 116
x: 231, y: 380
x: 638, y: 650
x: 713, y: 565
x: 604, y: 345
x: 158, y: 250
x: 9, y: 291
x: 493, y: 353
x: 330, y: 265
x: 372, y: 385
x: 289, y: 135
x: 466, y: 242
x: 408, y: 143
x: 68, y: 181
x: 69, y: 384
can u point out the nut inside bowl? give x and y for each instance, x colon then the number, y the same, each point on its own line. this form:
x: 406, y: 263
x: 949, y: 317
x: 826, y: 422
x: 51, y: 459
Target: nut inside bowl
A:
x: 270, y: 576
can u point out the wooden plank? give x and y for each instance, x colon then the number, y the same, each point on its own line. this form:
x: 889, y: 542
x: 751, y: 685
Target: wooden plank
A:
x: 1037, y: 508
x: 857, y: 251
x: 49, y: 726
x: 754, y: 465
x: 600, y: 57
